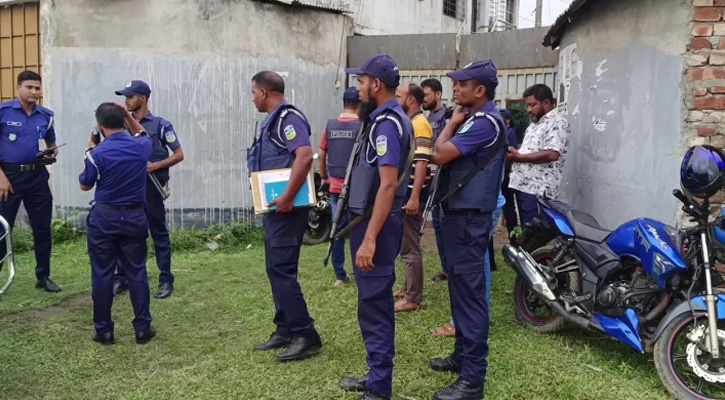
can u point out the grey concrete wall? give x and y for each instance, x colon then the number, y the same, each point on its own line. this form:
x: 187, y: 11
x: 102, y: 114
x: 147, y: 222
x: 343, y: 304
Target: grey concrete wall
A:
x: 198, y: 57
x: 513, y: 49
x: 399, y: 17
x: 625, y: 109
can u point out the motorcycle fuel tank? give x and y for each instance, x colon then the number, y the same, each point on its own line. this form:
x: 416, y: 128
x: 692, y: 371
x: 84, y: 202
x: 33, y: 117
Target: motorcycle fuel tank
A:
x: 647, y: 241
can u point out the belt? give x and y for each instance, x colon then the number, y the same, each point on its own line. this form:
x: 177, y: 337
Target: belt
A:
x: 20, y: 167
x: 119, y: 208
x: 462, y: 211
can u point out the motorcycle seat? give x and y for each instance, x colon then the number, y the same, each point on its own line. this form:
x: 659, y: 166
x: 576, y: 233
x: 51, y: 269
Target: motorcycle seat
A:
x: 585, y: 226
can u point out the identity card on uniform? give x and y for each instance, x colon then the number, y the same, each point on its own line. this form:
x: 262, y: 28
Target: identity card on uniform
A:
x: 269, y: 185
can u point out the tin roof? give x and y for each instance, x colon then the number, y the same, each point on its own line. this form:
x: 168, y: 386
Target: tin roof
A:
x: 576, y: 8
x: 337, y: 6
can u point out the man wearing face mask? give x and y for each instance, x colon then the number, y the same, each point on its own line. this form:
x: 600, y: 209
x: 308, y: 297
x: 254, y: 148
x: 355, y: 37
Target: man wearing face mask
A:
x: 117, y: 227
x: 284, y: 143
x: 377, y: 190
x: 23, y: 177
x: 163, y: 137
x: 472, y: 150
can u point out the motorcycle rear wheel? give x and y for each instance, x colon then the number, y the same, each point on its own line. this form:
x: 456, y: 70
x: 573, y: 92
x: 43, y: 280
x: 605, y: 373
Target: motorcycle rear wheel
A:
x: 320, y: 232
x: 674, y: 369
x: 530, y: 311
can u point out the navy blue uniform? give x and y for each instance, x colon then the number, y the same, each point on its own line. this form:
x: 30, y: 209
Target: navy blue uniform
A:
x: 466, y: 226
x: 283, y: 131
x: 163, y: 137
x: 20, y: 134
x: 388, y: 143
x: 117, y: 227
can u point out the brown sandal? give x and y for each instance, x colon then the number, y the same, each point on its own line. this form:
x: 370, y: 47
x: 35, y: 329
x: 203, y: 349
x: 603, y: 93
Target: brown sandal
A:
x: 446, y: 330
x: 399, y: 294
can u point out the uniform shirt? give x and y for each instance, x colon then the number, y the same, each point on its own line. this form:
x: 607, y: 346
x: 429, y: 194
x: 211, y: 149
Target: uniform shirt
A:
x: 512, y: 139
x: 475, y: 133
x: 550, y: 133
x: 20, y: 133
x: 169, y: 139
x: 437, y: 122
x: 293, y: 134
x: 118, y: 169
x: 336, y: 183
x: 423, y: 133
x: 386, y: 137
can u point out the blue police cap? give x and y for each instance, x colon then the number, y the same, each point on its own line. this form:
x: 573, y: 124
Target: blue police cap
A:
x: 135, y: 87
x: 380, y: 66
x: 483, y: 71
x: 507, y: 114
x: 351, y: 95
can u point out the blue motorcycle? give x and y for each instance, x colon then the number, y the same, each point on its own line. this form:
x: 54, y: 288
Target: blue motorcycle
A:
x: 646, y: 284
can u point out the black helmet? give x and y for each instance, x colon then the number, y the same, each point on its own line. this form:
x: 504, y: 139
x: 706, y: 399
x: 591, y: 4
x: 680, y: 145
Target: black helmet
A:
x: 703, y: 171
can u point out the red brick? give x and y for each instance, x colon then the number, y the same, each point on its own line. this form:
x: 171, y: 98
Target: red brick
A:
x: 706, y: 130
x: 718, y: 90
x: 719, y: 3
x: 701, y: 91
x: 707, y: 14
x: 709, y: 103
x: 705, y: 74
x: 700, y: 44
x: 702, y: 30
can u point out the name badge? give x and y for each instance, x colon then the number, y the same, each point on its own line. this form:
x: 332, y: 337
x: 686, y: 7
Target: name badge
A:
x: 12, y: 137
x: 13, y: 123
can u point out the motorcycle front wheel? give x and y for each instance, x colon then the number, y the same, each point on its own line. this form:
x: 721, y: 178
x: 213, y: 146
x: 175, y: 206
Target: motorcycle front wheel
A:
x: 686, y: 368
x: 318, y: 228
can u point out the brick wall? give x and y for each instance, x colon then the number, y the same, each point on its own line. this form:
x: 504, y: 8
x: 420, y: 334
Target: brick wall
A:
x: 705, y: 75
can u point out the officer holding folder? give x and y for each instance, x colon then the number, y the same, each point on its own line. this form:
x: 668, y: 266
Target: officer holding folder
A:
x: 284, y: 143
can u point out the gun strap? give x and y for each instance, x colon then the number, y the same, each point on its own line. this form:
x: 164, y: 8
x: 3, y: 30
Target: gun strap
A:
x: 498, y: 146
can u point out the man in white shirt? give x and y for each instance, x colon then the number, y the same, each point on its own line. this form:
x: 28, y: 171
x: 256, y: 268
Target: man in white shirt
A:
x: 539, y: 163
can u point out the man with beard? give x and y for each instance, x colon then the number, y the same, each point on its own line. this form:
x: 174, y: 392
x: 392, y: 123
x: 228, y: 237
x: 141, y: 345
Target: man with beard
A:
x: 472, y: 148
x: 284, y: 143
x: 410, y: 98
x: 24, y: 178
x: 163, y: 137
x: 538, y: 165
x: 433, y: 103
x: 377, y: 190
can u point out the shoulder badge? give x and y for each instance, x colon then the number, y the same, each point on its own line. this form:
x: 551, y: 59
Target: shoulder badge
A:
x: 289, y: 132
x: 466, y: 127
x: 381, y: 145
x: 170, y: 136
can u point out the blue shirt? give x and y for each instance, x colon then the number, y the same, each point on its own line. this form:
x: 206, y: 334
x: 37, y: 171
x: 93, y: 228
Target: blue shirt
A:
x: 20, y: 133
x: 167, y: 139
x: 475, y: 133
x: 293, y: 132
x: 117, y: 167
x: 385, y: 139
x: 513, y: 140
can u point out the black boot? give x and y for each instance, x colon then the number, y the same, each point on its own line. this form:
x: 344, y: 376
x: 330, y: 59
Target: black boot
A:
x: 354, y: 384
x: 447, y: 364
x: 276, y: 341
x: 47, y: 285
x: 165, y: 289
x: 370, y: 395
x: 146, y: 336
x: 460, y: 390
x: 105, y: 339
x: 301, y: 347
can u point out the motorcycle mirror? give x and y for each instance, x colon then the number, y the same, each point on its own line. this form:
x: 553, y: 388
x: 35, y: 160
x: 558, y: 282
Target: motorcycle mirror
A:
x: 315, y: 156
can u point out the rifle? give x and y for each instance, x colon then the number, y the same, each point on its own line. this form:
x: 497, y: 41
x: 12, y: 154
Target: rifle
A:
x: 368, y: 211
x: 430, y: 203
x: 342, y: 202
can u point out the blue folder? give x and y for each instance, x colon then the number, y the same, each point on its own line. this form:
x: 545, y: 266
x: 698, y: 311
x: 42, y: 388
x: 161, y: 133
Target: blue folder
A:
x: 276, y: 189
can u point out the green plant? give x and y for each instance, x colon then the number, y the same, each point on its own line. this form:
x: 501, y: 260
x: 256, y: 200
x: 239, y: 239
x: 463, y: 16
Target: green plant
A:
x: 521, y: 119
x: 65, y: 229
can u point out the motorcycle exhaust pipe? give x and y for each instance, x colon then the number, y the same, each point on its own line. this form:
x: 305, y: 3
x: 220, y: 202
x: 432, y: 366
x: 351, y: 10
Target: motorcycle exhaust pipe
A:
x: 528, y: 269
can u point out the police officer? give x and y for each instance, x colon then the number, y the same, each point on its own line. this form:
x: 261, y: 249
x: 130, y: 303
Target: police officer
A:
x: 284, y: 143
x: 509, y: 209
x: 163, y: 137
x: 375, y: 242
x: 475, y: 134
x: 336, y: 145
x: 117, y: 228
x: 23, y: 177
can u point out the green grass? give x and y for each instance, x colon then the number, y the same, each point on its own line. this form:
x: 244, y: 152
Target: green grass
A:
x: 222, y: 306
